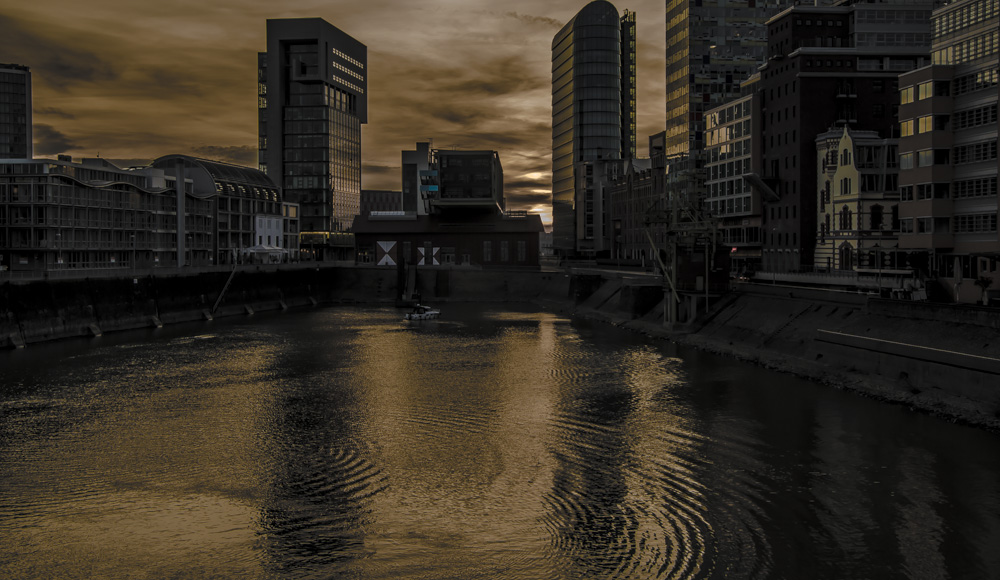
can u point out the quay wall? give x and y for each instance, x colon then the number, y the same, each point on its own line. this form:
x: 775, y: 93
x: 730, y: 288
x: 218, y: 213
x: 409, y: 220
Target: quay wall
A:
x: 938, y: 358
x: 39, y: 311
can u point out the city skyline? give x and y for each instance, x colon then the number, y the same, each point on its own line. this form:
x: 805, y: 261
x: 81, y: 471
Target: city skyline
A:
x: 466, y: 76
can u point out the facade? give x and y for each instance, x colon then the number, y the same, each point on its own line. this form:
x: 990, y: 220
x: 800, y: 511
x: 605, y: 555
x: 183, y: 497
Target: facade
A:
x: 818, y: 77
x: 711, y: 48
x: 636, y: 189
x: 417, y: 179
x: 466, y: 179
x: 485, y: 240
x: 858, y: 202
x: 60, y: 215
x: 242, y: 199
x: 380, y: 200
x: 312, y: 101
x: 453, y: 215
x: 593, y: 120
x: 436, y: 180
x: 732, y: 152
x: 15, y: 112
x: 948, y: 153
x: 57, y: 215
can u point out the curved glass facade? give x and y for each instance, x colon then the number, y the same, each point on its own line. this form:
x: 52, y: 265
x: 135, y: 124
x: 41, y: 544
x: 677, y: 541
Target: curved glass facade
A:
x: 593, y: 68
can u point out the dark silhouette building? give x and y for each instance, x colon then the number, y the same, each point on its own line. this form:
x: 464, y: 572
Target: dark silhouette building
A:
x: 827, y: 67
x: 312, y: 101
x: 948, y: 154
x: 593, y: 119
x: 15, y: 112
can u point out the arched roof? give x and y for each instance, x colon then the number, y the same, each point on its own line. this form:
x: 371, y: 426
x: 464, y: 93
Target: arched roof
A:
x: 228, y: 178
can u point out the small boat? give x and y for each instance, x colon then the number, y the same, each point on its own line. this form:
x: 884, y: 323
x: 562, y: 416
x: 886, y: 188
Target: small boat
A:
x: 421, y: 312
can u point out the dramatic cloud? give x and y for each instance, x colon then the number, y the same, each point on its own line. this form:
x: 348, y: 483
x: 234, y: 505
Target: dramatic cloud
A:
x: 138, y: 80
x: 52, y: 112
x: 240, y: 155
x: 50, y: 141
x: 550, y: 22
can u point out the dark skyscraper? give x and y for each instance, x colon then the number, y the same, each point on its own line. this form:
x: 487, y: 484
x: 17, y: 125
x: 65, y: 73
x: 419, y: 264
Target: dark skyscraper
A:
x: 15, y: 112
x: 312, y: 100
x: 593, y: 119
x: 711, y: 48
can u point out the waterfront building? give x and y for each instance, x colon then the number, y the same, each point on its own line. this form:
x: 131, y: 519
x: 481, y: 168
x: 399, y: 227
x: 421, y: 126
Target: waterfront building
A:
x: 15, y: 112
x: 948, y: 154
x: 828, y: 67
x: 78, y: 218
x: 455, y: 216
x: 467, y: 179
x: 418, y: 179
x: 636, y: 189
x: 732, y: 157
x: 858, y: 219
x: 249, y: 216
x: 477, y: 239
x: 711, y: 48
x: 593, y: 120
x: 380, y: 200
x: 312, y: 101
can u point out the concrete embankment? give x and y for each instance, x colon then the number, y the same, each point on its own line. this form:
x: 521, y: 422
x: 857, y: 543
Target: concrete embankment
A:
x: 51, y: 310
x: 939, y: 358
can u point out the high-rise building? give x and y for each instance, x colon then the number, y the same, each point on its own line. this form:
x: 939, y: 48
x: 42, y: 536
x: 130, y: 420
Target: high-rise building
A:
x: 826, y: 69
x: 593, y: 119
x: 312, y: 101
x: 948, y: 153
x: 15, y: 112
x: 711, y: 48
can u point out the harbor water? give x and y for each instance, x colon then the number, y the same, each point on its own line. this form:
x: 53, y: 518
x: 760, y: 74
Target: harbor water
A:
x: 493, y: 442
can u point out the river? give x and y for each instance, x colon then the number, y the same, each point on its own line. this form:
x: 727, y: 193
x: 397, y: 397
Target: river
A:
x: 494, y: 442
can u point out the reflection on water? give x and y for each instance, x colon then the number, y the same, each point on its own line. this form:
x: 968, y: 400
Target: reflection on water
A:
x: 348, y: 443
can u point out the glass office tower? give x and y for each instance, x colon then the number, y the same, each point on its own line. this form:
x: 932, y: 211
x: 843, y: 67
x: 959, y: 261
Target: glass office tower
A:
x: 711, y: 48
x: 593, y: 118
x: 312, y: 100
x: 15, y: 112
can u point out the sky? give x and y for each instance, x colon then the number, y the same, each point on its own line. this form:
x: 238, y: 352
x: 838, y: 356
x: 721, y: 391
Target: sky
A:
x: 132, y: 80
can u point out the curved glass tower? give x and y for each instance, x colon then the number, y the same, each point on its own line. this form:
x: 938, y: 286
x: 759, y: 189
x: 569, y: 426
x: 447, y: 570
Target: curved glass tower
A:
x: 593, y: 119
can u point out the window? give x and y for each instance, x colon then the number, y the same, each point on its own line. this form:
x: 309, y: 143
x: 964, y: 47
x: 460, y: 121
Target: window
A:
x: 906, y: 226
x: 876, y: 217
x: 906, y: 128
x: 974, y: 223
x: 906, y: 96
x: 925, y: 124
x: 487, y: 251
x: 504, y: 251
x: 925, y: 90
x: 522, y: 251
